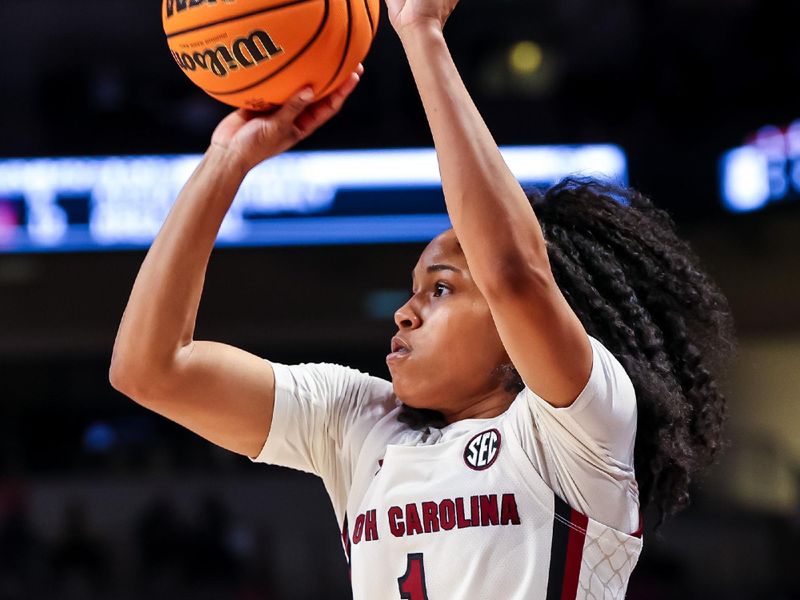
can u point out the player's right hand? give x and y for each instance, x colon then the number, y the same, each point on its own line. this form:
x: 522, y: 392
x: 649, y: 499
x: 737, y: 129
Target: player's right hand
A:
x: 251, y: 137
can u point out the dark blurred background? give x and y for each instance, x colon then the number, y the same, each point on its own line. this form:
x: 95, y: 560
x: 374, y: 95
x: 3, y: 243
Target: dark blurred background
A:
x: 100, y: 499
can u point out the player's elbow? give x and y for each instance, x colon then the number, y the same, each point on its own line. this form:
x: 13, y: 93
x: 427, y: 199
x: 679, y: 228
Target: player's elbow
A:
x: 125, y: 379
x: 116, y: 376
x: 120, y: 379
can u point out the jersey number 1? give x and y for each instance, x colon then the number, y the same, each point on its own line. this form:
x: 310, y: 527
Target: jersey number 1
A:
x: 412, y: 583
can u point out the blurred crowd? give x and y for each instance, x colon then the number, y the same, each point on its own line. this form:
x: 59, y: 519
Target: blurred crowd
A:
x: 172, y: 557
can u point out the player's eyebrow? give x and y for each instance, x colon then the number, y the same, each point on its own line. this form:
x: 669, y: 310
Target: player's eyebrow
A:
x: 442, y: 267
x: 439, y: 267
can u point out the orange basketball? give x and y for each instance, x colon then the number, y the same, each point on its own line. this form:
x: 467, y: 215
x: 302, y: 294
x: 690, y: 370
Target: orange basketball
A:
x: 257, y: 53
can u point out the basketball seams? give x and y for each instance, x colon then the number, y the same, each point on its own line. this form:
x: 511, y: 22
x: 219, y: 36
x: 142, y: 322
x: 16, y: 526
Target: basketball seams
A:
x: 346, y: 49
x: 372, y: 25
x: 237, y: 17
x: 289, y: 62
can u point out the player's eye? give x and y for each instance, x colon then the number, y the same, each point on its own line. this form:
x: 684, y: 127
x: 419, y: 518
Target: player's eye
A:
x: 439, y: 286
x: 436, y: 290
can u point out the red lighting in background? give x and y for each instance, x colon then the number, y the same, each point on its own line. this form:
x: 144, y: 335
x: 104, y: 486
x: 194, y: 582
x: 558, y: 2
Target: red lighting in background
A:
x: 777, y: 141
x: 8, y: 221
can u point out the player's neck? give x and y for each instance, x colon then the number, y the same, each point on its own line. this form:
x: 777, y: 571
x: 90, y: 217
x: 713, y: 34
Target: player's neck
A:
x: 487, y: 407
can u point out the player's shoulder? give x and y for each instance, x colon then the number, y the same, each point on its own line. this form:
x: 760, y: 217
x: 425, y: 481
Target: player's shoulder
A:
x: 608, y: 381
x: 354, y: 376
x: 600, y: 350
x: 335, y: 379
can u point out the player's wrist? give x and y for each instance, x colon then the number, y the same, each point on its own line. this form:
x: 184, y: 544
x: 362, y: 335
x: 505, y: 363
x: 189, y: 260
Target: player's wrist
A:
x: 226, y: 160
x: 421, y: 31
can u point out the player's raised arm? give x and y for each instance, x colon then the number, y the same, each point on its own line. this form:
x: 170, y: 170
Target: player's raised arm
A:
x: 492, y: 218
x: 220, y: 392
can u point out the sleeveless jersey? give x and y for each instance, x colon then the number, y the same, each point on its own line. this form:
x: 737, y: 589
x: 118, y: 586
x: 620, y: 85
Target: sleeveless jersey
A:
x: 480, y: 509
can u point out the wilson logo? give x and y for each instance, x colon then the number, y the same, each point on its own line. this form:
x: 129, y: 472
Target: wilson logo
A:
x: 482, y: 450
x: 179, y: 6
x: 242, y: 53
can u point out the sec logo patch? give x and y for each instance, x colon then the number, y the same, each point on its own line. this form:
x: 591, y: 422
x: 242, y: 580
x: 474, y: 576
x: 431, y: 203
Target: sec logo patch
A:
x: 482, y: 450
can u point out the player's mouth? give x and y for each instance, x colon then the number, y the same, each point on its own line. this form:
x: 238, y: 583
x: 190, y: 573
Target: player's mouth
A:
x: 400, y: 349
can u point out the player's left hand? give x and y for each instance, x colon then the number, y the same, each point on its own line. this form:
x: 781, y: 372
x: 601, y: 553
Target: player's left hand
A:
x: 409, y: 13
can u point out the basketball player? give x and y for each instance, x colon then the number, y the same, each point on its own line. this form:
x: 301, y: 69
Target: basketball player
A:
x: 502, y: 461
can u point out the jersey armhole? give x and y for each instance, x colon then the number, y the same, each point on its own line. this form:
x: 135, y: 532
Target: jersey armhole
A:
x: 280, y: 411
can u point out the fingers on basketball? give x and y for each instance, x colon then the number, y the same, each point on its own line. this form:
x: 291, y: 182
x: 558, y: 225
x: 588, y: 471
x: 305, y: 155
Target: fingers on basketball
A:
x: 323, y: 110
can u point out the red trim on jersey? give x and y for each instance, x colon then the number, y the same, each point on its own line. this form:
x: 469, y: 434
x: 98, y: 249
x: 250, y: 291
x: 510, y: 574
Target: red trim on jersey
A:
x: 572, y: 566
x: 346, y: 541
x: 638, y: 533
x: 566, y: 551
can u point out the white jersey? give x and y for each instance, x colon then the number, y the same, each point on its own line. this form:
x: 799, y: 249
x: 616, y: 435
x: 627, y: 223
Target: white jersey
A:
x: 536, y: 503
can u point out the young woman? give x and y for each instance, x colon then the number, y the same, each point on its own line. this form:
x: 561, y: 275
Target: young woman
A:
x: 502, y: 459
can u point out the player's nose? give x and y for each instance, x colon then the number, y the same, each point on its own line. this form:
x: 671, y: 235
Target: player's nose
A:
x: 406, y: 317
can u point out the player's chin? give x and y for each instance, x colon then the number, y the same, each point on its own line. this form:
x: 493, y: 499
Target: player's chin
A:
x: 405, y: 386
x: 400, y: 369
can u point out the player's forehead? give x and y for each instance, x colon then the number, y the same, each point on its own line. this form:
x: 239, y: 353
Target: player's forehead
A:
x: 443, y: 249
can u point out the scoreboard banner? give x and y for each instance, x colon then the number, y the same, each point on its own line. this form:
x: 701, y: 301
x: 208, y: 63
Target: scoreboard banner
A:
x: 765, y: 171
x: 298, y: 198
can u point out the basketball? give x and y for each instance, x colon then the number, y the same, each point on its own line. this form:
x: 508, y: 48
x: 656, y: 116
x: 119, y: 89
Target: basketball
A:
x: 256, y: 53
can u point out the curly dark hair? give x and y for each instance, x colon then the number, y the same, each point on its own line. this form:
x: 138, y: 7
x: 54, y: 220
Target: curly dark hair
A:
x: 638, y: 288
